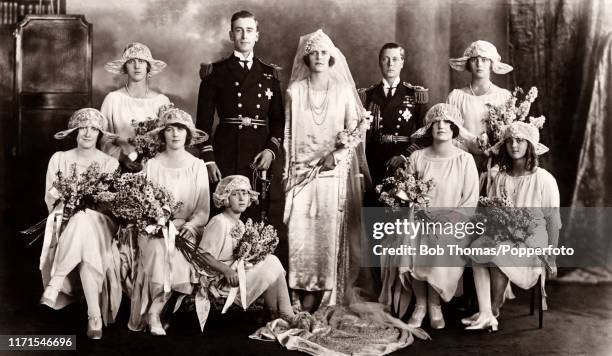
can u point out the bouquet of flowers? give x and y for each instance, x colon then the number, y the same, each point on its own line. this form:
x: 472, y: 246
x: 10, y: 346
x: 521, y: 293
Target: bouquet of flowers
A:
x: 350, y: 138
x: 146, y: 145
x: 404, y: 189
x: 253, y: 243
x: 501, y: 116
x: 136, y: 200
x: 78, y: 192
x: 508, y: 223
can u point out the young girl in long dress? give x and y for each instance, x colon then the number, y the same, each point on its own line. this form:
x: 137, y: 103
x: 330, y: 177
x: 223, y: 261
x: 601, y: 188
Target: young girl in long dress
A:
x: 160, y: 269
x: 265, y: 278
x: 135, y: 101
x: 527, y: 186
x: 456, y: 186
x: 83, y: 259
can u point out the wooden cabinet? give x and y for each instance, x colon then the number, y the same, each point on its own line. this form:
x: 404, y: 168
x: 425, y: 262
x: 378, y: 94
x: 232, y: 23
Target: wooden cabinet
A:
x: 52, y: 79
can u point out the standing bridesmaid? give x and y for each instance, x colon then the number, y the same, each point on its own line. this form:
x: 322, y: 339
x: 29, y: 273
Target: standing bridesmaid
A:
x: 134, y: 101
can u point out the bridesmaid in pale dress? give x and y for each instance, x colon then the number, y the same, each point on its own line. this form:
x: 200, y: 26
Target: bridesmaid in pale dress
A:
x: 160, y: 268
x: 527, y: 186
x: 83, y: 260
x: 480, y: 59
x: 134, y: 101
x: 456, y: 186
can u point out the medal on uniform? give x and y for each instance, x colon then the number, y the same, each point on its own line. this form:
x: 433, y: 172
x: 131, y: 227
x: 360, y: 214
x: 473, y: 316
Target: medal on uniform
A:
x: 269, y: 93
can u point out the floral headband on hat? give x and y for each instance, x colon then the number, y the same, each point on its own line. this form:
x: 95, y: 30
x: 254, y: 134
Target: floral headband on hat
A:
x: 229, y: 184
x: 481, y: 49
x: 526, y: 131
x: 319, y: 40
x: 135, y: 50
x: 439, y: 112
x: 86, y: 117
x: 168, y: 115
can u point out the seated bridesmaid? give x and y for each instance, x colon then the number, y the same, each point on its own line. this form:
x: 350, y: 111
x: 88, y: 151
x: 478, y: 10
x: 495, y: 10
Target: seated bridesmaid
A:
x: 82, y: 260
x: 527, y: 186
x: 455, y: 177
x: 161, y: 269
x: 267, y: 277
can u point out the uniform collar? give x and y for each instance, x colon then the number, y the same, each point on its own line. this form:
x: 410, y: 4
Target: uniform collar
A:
x: 393, y: 85
x: 241, y: 57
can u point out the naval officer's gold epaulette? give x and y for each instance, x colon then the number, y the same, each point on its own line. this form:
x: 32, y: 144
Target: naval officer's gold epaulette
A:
x: 275, y: 68
x: 421, y: 94
x: 363, y: 92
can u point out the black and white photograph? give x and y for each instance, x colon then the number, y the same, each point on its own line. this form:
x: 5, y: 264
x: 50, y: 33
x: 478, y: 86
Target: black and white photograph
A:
x: 323, y: 177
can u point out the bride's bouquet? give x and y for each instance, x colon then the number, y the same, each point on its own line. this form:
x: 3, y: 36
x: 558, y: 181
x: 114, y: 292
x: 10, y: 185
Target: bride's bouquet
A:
x: 350, y: 138
x: 502, y: 115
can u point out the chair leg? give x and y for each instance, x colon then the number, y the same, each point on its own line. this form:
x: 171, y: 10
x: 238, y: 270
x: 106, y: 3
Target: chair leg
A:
x: 533, y: 298
x: 541, y: 311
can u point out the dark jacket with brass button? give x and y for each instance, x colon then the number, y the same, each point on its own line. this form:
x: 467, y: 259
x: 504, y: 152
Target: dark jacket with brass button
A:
x: 250, y: 111
x: 395, y: 119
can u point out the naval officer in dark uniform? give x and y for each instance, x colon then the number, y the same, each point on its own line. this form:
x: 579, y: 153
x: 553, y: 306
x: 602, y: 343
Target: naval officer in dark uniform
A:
x: 398, y: 108
x: 245, y: 94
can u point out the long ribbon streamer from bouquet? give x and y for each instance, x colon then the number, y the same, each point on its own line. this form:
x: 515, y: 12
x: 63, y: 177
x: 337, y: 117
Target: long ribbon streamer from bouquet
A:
x: 312, y: 174
x: 169, y: 232
x: 52, y: 227
x: 238, y: 265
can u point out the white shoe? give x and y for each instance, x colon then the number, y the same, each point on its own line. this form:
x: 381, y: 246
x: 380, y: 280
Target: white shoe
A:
x: 155, y: 326
x: 49, y: 296
x: 487, y: 322
x: 436, y: 318
x: 94, y: 327
x: 470, y: 320
x: 417, y: 316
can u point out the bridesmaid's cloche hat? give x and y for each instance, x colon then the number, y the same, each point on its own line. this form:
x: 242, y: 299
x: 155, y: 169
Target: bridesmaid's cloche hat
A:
x: 87, y: 117
x: 169, y: 114
x: 525, y: 131
x: 229, y: 184
x: 439, y: 112
x: 481, y: 49
x: 135, y: 50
